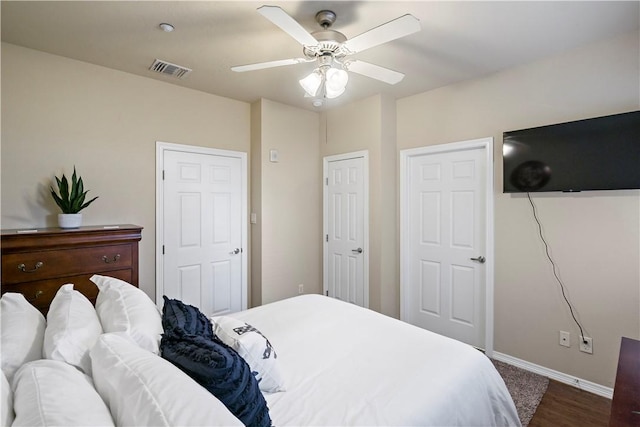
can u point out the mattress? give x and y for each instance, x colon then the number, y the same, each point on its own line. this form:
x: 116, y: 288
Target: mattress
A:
x: 346, y: 365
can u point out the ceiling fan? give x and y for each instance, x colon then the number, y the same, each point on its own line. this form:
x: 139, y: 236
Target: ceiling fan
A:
x: 332, y: 51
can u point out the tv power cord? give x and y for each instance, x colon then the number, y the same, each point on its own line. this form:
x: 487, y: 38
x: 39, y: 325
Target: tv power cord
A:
x: 555, y: 268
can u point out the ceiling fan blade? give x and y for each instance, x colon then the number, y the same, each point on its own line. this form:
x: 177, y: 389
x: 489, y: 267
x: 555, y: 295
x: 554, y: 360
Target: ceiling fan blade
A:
x: 287, y: 24
x: 399, y: 27
x: 269, y: 64
x: 375, y: 71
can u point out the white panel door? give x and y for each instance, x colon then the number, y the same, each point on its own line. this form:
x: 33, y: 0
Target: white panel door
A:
x: 346, y: 230
x: 446, y: 199
x: 203, y: 231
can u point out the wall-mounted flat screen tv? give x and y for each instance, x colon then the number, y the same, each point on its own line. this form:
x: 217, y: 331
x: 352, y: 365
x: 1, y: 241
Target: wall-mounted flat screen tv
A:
x: 602, y: 153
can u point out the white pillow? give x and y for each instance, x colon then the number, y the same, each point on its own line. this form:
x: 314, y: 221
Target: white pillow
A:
x: 254, y: 348
x: 6, y: 406
x: 143, y: 389
x: 72, y: 328
x: 22, y: 332
x: 122, y: 307
x: 53, y: 393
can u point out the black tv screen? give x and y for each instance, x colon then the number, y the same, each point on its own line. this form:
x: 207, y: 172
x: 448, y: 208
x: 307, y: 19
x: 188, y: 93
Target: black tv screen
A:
x: 602, y: 153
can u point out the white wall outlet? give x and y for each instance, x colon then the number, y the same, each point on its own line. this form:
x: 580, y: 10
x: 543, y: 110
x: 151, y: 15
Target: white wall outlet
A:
x: 565, y: 339
x: 301, y: 288
x: 586, y: 345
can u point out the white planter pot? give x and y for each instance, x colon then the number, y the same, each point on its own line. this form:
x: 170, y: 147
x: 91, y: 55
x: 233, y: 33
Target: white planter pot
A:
x: 70, y: 220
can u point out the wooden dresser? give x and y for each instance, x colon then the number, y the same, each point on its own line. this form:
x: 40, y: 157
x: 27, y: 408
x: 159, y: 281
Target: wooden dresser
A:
x: 37, y: 262
x: 625, y: 407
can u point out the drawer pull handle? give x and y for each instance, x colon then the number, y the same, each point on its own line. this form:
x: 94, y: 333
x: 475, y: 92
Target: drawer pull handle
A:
x: 35, y: 296
x: 107, y: 261
x: 23, y: 267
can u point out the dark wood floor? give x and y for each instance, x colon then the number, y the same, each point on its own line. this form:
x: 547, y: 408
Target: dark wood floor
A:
x: 566, y: 406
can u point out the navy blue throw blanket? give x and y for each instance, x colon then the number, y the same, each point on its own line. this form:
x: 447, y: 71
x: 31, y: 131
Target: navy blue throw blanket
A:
x: 212, y: 364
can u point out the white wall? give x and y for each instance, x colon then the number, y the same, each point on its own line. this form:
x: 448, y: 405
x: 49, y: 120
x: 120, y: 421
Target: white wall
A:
x: 57, y: 113
x: 594, y: 236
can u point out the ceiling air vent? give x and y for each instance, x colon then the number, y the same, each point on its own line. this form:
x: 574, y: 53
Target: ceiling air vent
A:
x: 164, y: 67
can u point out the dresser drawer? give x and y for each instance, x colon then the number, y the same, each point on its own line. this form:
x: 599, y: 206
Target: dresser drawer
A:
x: 37, y: 262
x: 40, y: 293
x: 41, y: 265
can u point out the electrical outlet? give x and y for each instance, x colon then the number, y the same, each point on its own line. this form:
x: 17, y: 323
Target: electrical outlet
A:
x: 301, y: 288
x: 586, y: 344
x: 565, y: 339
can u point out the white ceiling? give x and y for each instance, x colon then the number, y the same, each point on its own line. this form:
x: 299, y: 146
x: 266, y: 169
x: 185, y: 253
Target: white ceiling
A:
x: 458, y: 41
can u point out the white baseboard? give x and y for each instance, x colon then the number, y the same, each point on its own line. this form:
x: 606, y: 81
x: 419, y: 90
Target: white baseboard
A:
x: 585, y: 385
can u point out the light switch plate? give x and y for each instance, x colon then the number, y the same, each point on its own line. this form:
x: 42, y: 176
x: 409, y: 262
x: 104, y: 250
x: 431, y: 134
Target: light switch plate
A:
x: 273, y: 156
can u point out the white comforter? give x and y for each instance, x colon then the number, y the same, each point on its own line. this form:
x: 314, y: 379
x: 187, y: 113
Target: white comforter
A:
x: 346, y: 365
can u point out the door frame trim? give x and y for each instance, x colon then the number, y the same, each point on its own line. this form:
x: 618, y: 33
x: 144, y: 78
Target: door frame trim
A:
x: 405, y: 156
x: 161, y: 147
x: 325, y: 218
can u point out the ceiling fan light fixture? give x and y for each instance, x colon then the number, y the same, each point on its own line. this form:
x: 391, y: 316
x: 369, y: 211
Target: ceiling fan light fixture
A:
x: 334, y: 93
x: 332, y: 80
x: 337, y: 79
x: 311, y: 84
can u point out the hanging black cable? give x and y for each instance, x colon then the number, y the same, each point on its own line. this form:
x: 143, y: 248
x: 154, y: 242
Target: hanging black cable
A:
x: 553, y: 264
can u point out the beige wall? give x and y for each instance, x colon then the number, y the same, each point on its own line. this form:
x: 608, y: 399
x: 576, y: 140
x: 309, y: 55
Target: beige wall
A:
x: 369, y: 124
x: 57, y: 113
x: 289, y: 205
x: 255, y: 205
x: 389, y: 227
x: 594, y: 236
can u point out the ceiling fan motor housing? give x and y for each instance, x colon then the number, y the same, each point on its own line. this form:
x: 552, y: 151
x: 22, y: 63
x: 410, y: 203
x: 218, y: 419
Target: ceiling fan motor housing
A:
x: 325, y: 18
x: 330, y: 42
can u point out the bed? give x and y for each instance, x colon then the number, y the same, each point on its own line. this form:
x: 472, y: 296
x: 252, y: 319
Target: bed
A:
x: 337, y: 364
x: 374, y: 370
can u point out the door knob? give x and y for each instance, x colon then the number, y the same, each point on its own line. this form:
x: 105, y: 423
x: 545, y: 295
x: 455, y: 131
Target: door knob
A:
x: 236, y: 251
x: 480, y: 259
x: 359, y: 250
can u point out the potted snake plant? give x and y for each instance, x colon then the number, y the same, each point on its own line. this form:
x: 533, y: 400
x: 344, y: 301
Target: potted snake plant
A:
x: 71, y: 200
